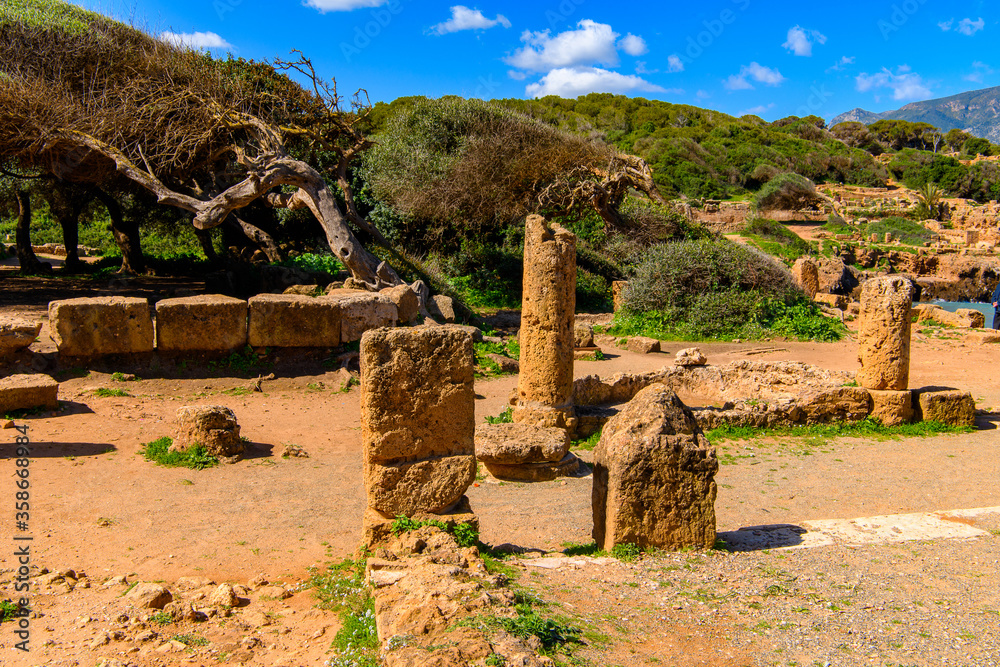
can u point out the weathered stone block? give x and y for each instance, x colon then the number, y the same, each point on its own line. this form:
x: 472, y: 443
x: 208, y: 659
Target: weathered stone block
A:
x: 691, y: 356
x: 892, y: 408
x: 407, y: 302
x: 654, y: 476
x: 544, y: 471
x: 290, y: 320
x: 806, y: 275
x: 17, y: 334
x: 953, y: 407
x: 214, y: 427
x: 618, y: 294
x: 93, y: 327
x: 838, y: 301
x: 23, y: 392
x: 643, y: 345
x: 362, y: 311
x: 514, y: 444
x: 442, y: 308
x: 418, y: 418
x: 884, y: 333
x: 832, y: 405
x: 583, y: 335
x: 207, y: 323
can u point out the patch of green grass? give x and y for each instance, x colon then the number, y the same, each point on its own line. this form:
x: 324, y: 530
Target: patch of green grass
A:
x: 574, y: 549
x: 122, y: 377
x: 486, y: 367
x: 239, y: 362
x: 465, y: 534
x: 556, y: 636
x: 587, y: 443
x: 195, y: 458
x: 867, y: 428
x: 104, y: 392
x: 776, y: 239
x: 8, y: 611
x: 505, y: 417
x: 351, y: 382
x: 626, y: 552
x: 238, y: 391
x: 161, y: 618
x: 342, y: 589
x: 315, y: 263
x: 596, y: 356
x: 189, y: 639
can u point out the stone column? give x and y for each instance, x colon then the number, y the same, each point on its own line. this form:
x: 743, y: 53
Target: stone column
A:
x: 618, y: 293
x: 417, y: 426
x: 806, y: 275
x: 884, y: 333
x: 545, y: 385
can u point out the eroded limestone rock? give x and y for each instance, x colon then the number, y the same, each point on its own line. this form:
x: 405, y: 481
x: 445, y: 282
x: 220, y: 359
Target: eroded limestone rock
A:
x: 106, y: 325
x: 806, y: 276
x: 23, y: 392
x: 207, y: 323
x: 654, y: 476
x: 418, y: 418
x: 953, y: 407
x: 17, y: 334
x: 214, y: 427
x: 293, y: 320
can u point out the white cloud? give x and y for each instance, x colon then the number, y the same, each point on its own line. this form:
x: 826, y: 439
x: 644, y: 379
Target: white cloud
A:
x: 800, y: 41
x: 633, y: 45
x: 841, y: 64
x: 979, y: 70
x: 757, y: 72
x: 703, y: 94
x: 675, y: 64
x: 970, y: 27
x: 573, y: 82
x: 343, y: 5
x: 195, y: 40
x: 640, y: 68
x: 592, y: 44
x: 463, y: 18
x: 905, y: 85
x: 946, y: 25
x: 756, y: 111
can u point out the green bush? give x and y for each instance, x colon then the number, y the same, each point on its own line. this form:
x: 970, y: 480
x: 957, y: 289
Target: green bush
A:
x: 776, y: 239
x: 905, y: 231
x: 680, y: 275
x: 787, y: 191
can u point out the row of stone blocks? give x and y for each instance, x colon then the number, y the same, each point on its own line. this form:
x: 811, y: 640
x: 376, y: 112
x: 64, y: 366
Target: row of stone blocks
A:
x: 93, y: 327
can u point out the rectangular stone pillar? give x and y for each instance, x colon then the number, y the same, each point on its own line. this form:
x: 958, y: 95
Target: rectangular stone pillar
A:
x: 545, y: 383
x: 98, y: 326
x: 417, y: 423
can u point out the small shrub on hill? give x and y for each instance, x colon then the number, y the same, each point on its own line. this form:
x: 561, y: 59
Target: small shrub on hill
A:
x: 787, y: 192
x: 905, y: 231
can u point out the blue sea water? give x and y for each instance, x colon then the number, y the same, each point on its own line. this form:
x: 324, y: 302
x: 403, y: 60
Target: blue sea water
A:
x: 951, y: 306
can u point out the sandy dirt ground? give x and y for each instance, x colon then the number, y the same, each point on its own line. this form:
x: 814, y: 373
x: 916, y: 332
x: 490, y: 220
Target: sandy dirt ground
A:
x: 102, y: 511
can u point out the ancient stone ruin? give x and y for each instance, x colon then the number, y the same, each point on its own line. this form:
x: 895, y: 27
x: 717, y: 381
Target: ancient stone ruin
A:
x: 545, y: 385
x: 806, y: 275
x: 654, y: 477
x: 207, y: 323
x: 107, y: 325
x: 884, y: 333
x: 525, y: 452
x: 418, y: 425
x: 214, y: 427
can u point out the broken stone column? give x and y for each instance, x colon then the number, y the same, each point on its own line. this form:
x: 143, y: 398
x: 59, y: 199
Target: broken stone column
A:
x: 545, y: 385
x: 618, y: 293
x: 654, y: 476
x: 884, y: 333
x: 806, y: 275
x: 525, y: 452
x: 417, y: 426
x: 214, y: 427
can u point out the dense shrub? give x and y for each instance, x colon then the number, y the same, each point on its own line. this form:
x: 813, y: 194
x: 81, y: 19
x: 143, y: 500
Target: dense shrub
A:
x: 787, y: 192
x: 676, y: 275
x: 905, y: 231
x: 776, y: 239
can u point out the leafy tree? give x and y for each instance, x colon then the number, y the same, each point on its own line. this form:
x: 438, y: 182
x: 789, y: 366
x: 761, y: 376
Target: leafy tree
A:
x: 90, y: 100
x: 977, y: 146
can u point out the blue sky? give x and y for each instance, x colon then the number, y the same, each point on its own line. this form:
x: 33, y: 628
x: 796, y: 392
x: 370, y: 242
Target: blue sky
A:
x: 773, y: 59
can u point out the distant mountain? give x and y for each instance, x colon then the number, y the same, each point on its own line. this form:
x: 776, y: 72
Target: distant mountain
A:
x: 976, y: 112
